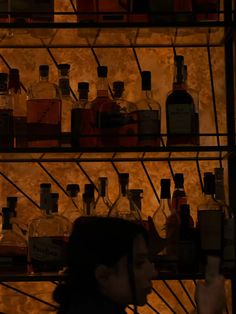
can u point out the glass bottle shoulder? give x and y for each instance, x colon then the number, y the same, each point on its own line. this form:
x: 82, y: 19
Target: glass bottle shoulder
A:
x: 179, y: 96
x: 148, y: 103
x: 43, y: 90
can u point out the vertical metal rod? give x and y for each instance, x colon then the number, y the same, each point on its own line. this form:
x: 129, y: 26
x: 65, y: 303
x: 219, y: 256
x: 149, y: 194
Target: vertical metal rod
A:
x: 163, y: 300
x: 86, y: 175
x: 175, y: 296
x: 19, y: 189
x: 187, y: 293
x: 28, y: 295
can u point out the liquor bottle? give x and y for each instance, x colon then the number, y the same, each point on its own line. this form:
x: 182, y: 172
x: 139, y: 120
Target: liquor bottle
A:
x: 181, y: 112
x: 210, y: 221
x: 6, y: 115
x: 48, y: 236
x: 207, y: 10
x: 128, y: 129
x: 72, y: 207
x: 166, y: 220
x: 17, y: 100
x: 88, y: 200
x: 121, y: 207
x: 187, y: 246
x: 102, y: 203
x: 107, y: 112
x: 83, y: 120
x: 13, y: 247
x: 149, y: 115
x: 67, y: 101
x: 43, y: 112
x: 18, y: 225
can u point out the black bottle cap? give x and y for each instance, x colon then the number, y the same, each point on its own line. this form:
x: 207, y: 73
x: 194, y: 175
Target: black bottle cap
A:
x: 179, y: 60
x: 43, y: 70
x: 146, y: 80
x: 14, y: 72
x: 124, y: 177
x: 64, y: 68
x: 102, y: 185
x: 179, y: 180
x: 45, y: 186
x: 11, y: 201
x: 165, y: 188
x: 83, y: 86
x: 102, y: 71
x: 209, y: 183
x: 72, y: 189
x: 3, y: 77
x: 118, y: 85
x: 6, y: 214
x: 89, y: 190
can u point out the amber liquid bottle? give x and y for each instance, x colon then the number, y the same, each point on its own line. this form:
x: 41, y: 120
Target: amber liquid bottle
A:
x: 181, y: 113
x: 43, y: 112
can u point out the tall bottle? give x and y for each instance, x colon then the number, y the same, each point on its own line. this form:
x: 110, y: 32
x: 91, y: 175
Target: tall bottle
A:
x: 121, y: 207
x: 181, y: 112
x: 149, y: 115
x: 102, y: 203
x: 67, y: 101
x: 83, y: 120
x: 6, y: 115
x: 44, y: 112
x: 210, y: 220
x: 166, y: 220
x: 128, y: 129
x: 107, y: 112
x: 17, y: 99
x: 72, y: 207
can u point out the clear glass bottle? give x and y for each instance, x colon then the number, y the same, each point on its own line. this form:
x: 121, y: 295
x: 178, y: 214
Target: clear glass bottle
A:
x: 72, y: 207
x: 121, y: 207
x: 181, y: 112
x: 67, y: 101
x: 48, y: 237
x: 128, y: 129
x: 107, y: 112
x: 6, y: 115
x: 88, y: 200
x: 17, y: 99
x: 102, y: 203
x: 13, y: 247
x: 166, y: 220
x: 43, y: 112
x: 83, y: 120
x: 149, y: 115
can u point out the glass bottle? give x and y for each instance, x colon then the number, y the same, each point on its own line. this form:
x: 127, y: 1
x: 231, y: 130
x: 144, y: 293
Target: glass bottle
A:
x: 17, y: 100
x: 128, y: 117
x: 18, y: 225
x: 207, y: 10
x: 83, y: 120
x: 210, y: 220
x: 48, y: 236
x: 181, y: 112
x: 6, y: 115
x: 43, y: 112
x: 149, y: 115
x: 107, y: 112
x: 72, y: 207
x: 13, y: 247
x: 67, y: 101
x: 166, y: 220
x: 88, y: 200
x: 121, y: 207
x: 102, y: 203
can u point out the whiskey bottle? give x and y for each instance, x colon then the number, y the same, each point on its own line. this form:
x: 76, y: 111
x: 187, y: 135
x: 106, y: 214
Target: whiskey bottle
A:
x: 181, y: 113
x: 72, y: 207
x: 166, y: 220
x: 102, y: 203
x: 6, y: 115
x: 13, y: 247
x: 128, y: 129
x: 43, y: 112
x: 83, y: 120
x: 17, y: 99
x: 149, y: 115
x: 107, y: 112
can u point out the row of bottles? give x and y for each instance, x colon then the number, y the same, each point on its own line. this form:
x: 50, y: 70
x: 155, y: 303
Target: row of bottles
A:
x: 173, y: 234
x: 103, y: 122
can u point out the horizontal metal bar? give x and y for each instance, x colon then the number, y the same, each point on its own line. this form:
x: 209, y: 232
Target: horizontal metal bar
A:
x: 111, y: 46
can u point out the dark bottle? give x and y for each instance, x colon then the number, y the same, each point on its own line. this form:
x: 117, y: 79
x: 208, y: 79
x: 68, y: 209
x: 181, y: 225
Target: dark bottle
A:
x: 88, y: 200
x: 6, y: 115
x: 181, y: 111
x: 179, y: 196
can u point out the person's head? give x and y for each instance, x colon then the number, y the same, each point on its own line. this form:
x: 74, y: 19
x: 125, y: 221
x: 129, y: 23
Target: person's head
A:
x: 109, y: 257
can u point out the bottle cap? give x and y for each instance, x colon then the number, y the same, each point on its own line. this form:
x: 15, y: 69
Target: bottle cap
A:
x: 146, y: 80
x: 83, y: 86
x: 11, y: 201
x: 44, y: 70
x: 118, y: 85
x: 89, y: 190
x: 179, y: 180
x: 64, y: 68
x: 179, y: 59
x: 45, y: 186
x: 123, y: 177
x: 165, y: 188
x: 73, y: 189
x: 3, y: 77
x: 102, y: 71
x: 102, y: 185
x: 14, y: 72
x: 209, y: 183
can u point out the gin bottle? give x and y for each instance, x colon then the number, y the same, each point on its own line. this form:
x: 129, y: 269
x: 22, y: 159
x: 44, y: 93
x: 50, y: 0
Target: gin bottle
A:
x: 44, y: 112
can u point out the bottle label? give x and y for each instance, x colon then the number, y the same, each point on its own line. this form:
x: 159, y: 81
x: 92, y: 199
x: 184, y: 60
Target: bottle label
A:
x: 149, y: 124
x: 64, y: 86
x: 180, y: 118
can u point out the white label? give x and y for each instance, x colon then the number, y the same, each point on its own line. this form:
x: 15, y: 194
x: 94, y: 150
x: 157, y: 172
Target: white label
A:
x: 46, y: 249
x: 180, y: 118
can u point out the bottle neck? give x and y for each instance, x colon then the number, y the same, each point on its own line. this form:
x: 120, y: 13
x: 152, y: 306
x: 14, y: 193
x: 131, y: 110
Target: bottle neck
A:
x: 124, y: 189
x: 102, y: 87
x: 83, y: 95
x: 14, y: 85
x: 43, y: 78
x: 117, y: 94
x: 147, y: 93
x: 64, y: 85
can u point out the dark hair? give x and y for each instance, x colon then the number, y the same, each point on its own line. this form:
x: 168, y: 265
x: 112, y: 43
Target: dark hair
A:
x: 95, y: 241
